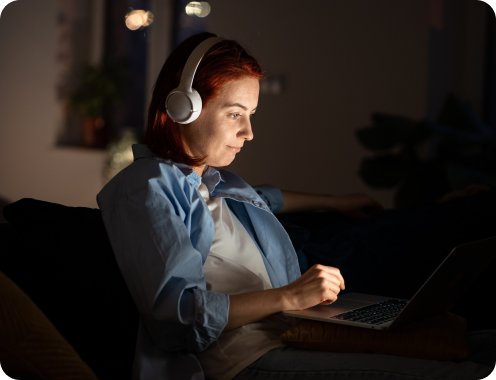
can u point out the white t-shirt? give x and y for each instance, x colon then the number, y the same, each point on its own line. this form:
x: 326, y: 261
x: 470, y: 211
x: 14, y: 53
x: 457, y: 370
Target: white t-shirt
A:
x: 234, y: 265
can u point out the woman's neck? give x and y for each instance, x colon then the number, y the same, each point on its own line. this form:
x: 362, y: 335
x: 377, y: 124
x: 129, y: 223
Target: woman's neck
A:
x: 200, y: 169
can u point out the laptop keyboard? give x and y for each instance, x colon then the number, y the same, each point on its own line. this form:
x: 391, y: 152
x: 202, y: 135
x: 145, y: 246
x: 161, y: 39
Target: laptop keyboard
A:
x: 374, y: 314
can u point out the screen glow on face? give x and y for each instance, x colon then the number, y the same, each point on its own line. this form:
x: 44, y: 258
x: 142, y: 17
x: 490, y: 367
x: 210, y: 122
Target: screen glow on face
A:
x: 224, y: 123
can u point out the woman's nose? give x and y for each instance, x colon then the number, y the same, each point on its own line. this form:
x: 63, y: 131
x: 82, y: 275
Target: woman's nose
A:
x: 246, y: 131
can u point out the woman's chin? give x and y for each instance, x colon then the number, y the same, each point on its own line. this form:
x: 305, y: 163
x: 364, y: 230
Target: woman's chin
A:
x: 222, y: 163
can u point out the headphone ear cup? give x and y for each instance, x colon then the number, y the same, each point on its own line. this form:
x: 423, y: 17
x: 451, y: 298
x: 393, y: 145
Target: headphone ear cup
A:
x: 178, y: 106
x: 196, y: 100
x: 183, y: 107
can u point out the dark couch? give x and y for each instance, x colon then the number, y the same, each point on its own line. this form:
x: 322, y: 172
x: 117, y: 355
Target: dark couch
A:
x: 61, y: 257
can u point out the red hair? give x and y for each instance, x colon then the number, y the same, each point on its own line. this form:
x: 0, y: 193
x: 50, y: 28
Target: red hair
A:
x: 224, y: 62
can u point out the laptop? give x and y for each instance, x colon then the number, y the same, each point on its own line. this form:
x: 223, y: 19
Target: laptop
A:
x: 438, y: 294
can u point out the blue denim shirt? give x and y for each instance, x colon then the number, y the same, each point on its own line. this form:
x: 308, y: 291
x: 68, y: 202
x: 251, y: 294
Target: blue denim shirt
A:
x: 161, y: 232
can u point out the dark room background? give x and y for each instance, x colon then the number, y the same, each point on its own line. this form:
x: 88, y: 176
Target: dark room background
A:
x: 331, y: 65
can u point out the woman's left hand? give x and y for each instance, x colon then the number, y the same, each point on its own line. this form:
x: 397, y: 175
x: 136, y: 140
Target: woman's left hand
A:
x: 356, y: 206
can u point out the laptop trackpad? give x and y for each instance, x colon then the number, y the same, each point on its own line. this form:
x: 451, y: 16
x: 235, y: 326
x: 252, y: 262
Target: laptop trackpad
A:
x: 340, y: 306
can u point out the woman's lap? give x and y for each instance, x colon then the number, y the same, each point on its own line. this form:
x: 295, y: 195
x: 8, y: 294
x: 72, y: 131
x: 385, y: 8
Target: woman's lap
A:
x: 290, y: 363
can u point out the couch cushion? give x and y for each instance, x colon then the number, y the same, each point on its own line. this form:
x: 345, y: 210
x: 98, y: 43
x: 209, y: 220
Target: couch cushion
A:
x: 30, y: 344
x: 61, y: 257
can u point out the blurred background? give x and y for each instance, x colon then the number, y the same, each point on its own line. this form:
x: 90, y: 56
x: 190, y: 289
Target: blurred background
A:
x: 394, y: 99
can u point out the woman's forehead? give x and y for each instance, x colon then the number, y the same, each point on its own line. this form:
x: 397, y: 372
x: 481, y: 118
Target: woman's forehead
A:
x: 242, y: 93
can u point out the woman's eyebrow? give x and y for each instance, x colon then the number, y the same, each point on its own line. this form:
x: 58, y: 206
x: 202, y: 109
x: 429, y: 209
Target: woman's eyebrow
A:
x: 237, y: 105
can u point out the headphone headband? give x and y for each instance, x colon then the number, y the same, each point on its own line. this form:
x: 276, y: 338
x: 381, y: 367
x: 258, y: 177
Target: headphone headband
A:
x: 194, y: 60
x: 184, y: 104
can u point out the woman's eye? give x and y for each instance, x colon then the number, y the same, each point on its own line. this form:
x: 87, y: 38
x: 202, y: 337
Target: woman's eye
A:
x: 235, y: 115
x: 251, y: 115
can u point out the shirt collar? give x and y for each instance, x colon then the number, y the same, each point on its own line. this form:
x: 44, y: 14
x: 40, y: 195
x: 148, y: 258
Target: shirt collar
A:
x: 211, y: 177
x: 142, y: 151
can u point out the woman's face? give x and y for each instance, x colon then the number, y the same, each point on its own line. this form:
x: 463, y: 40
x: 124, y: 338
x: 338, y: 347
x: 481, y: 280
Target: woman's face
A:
x: 224, y: 124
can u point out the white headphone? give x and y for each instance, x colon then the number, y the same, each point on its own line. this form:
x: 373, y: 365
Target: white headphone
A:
x: 184, y: 103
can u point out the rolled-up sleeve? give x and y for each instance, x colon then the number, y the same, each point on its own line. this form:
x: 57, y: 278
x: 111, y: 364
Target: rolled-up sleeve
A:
x: 163, y: 272
x: 272, y: 196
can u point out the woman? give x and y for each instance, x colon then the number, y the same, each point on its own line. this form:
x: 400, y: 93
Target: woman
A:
x: 208, y: 265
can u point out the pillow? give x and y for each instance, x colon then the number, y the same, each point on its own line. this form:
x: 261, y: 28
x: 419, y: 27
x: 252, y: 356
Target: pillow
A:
x: 441, y: 337
x: 30, y: 344
x: 62, y: 259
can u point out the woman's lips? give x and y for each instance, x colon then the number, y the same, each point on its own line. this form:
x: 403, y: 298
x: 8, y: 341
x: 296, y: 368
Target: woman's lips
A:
x: 234, y: 149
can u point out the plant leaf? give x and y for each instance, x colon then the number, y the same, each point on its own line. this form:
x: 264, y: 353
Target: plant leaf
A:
x: 460, y: 116
x: 387, y: 132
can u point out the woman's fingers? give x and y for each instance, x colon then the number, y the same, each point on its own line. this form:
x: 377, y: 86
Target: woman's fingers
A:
x: 358, y: 206
x: 369, y: 205
x: 372, y: 210
x: 324, y: 283
x: 334, y: 273
x: 319, y: 284
x: 328, y: 302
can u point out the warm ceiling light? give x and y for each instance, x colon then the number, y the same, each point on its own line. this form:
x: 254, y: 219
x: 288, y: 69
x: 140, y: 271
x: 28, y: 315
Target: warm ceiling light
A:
x: 193, y: 8
x: 205, y: 9
x: 147, y: 18
x: 134, y: 22
x: 199, y: 9
x: 138, y: 18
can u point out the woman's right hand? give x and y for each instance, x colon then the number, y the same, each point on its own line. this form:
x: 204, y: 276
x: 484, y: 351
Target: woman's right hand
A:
x: 319, y: 285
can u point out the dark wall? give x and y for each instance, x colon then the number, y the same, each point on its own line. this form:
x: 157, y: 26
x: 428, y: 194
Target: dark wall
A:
x: 339, y: 61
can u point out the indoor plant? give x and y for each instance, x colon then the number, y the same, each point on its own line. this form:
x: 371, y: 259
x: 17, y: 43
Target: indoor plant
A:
x: 98, y: 91
x: 461, y: 152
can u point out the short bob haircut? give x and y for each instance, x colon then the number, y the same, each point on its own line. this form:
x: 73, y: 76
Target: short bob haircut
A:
x: 224, y: 62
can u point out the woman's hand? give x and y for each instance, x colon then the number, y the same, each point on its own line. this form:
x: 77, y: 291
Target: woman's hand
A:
x: 357, y: 206
x: 319, y: 285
